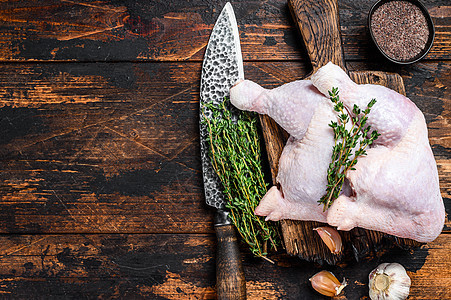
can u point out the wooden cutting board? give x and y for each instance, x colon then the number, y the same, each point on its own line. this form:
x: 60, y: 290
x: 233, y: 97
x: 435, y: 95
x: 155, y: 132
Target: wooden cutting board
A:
x: 318, y: 23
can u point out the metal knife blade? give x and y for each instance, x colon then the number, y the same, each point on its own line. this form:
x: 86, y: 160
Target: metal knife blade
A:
x: 222, y: 67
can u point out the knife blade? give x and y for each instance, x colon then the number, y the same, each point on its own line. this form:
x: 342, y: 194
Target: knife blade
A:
x: 222, y: 67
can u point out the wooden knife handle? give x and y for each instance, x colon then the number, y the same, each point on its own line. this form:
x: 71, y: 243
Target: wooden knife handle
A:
x: 319, y: 24
x: 230, y: 282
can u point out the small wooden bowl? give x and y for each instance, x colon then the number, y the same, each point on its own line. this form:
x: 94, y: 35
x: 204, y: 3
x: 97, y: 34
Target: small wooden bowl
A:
x: 431, y: 30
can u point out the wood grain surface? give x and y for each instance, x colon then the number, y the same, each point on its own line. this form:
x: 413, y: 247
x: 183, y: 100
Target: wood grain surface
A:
x: 83, y: 151
x: 319, y: 25
x: 102, y: 30
x: 182, y: 266
x: 101, y: 191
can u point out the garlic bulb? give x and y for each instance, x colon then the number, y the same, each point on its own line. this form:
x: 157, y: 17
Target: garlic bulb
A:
x: 389, y: 281
x: 326, y: 283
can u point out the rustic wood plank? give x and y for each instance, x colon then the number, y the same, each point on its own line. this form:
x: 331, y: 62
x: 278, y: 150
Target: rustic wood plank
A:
x: 95, y: 145
x: 107, y: 30
x: 113, y: 148
x: 104, y: 148
x: 174, y: 266
x: 320, y: 30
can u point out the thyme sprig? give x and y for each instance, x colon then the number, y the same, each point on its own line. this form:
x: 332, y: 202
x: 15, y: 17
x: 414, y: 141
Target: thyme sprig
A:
x: 236, y: 158
x: 349, y: 144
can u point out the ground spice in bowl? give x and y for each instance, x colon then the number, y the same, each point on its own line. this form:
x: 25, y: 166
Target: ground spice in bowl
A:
x: 401, y: 30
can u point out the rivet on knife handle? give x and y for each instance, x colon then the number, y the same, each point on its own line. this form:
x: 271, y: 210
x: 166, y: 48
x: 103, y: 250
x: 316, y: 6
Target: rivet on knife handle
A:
x: 319, y: 24
x: 230, y: 281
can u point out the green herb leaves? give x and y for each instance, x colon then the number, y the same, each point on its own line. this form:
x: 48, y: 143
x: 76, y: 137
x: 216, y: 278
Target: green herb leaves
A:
x: 349, y: 144
x: 236, y: 158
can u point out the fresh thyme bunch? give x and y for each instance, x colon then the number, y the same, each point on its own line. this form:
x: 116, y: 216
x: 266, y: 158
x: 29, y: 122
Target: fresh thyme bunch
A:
x: 345, y: 151
x: 236, y: 157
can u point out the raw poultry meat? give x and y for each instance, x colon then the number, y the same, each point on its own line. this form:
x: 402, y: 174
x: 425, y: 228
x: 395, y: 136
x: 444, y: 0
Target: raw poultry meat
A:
x: 393, y: 189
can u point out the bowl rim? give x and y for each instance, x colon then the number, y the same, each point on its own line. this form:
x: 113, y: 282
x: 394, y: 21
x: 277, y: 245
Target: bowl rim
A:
x: 431, y: 29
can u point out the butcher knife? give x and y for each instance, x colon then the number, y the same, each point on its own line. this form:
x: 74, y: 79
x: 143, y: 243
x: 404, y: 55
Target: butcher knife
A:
x: 222, y: 67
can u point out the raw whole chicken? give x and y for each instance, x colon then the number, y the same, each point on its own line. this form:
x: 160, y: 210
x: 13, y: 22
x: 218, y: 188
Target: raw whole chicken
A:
x: 393, y: 189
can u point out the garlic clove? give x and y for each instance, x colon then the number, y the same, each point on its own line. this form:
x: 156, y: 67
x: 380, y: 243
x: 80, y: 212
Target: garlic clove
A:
x: 331, y: 238
x: 389, y: 281
x: 327, y: 284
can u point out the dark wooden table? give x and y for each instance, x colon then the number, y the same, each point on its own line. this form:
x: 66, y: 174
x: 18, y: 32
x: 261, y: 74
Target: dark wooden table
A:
x: 101, y: 191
